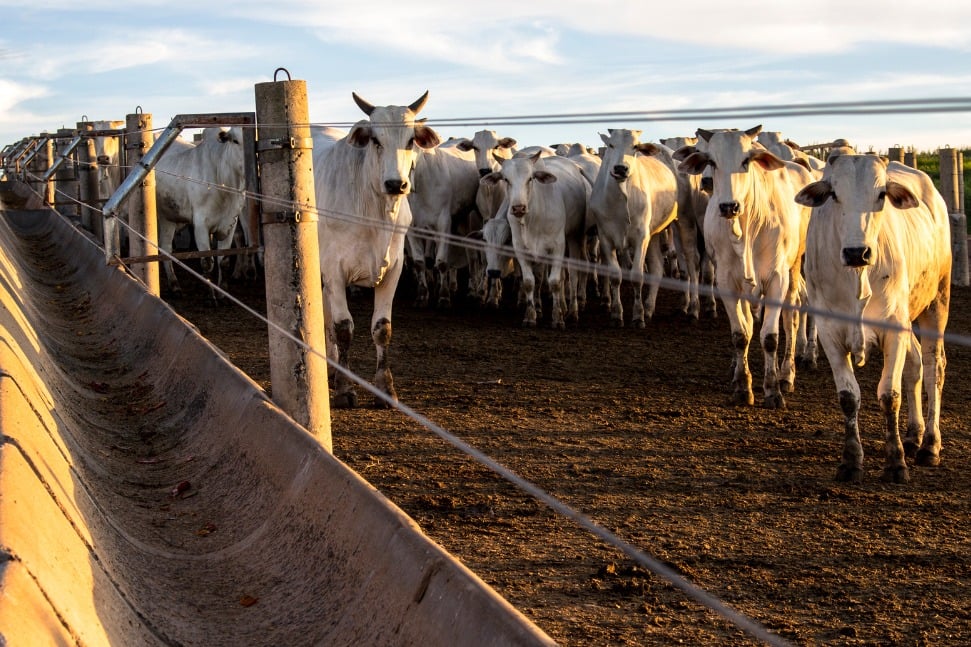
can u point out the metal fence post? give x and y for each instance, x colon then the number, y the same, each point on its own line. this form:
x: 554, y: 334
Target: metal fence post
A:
x: 142, y: 215
x: 294, y: 297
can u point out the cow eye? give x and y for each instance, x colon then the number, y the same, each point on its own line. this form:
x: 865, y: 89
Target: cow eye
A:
x: 833, y: 196
x: 377, y: 144
x: 881, y: 196
x: 745, y: 164
x: 410, y: 144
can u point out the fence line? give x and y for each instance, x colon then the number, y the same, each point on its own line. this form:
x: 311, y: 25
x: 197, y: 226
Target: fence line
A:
x: 638, y: 556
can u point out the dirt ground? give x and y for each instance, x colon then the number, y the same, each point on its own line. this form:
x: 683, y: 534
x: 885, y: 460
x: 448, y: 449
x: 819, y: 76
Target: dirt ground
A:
x: 635, y: 429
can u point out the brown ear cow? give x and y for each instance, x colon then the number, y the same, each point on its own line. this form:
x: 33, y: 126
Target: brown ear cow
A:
x: 879, y: 250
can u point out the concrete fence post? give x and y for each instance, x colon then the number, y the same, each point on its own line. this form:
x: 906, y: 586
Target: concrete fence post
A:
x: 896, y: 154
x: 142, y: 213
x: 66, y: 176
x: 89, y: 187
x: 952, y: 182
x: 294, y: 298
x: 910, y: 158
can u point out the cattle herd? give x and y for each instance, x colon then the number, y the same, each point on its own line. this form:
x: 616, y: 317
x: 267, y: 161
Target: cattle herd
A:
x: 847, y: 252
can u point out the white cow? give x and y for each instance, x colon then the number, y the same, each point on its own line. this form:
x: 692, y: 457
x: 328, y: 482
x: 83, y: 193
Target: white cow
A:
x: 201, y: 185
x: 689, y: 241
x: 362, y: 184
x: 499, y: 258
x: 755, y: 233
x: 634, y: 197
x: 878, y: 250
x: 445, y: 184
x: 546, y: 207
x: 789, y: 151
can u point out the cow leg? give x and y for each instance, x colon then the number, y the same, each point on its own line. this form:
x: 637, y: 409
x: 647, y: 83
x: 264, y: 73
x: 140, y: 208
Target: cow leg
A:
x: 529, y: 291
x: 934, y: 361
x: 557, y: 296
x: 166, y: 234
x: 740, y: 319
x: 381, y: 334
x: 776, y: 289
x: 340, y: 331
x: 612, y: 276
x: 707, y: 277
x: 687, y: 245
x: 912, y: 380
x: 888, y: 392
x: 833, y: 337
x: 641, y: 255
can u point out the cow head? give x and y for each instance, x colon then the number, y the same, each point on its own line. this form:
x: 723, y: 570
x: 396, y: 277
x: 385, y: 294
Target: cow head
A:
x: 518, y: 175
x: 857, y: 189
x: 488, y: 147
x: 390, y: 136
x: 621, y: 147
x: 731, y: 155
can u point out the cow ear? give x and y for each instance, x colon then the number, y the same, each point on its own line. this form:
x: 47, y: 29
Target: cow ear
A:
x: 360, y: 135
x: 682, y: 153
x: 766, y: 160
x: 544, y: 177
x: 900, y: 196
x: 464, y: 145
x: 801, y: 161
x: 605, y: 138
x: 491, y: 178
x: 507, y: 142
x: 815, y: 194
x: 647, y: 148
x: 425, y: 136
x: 695, y: 163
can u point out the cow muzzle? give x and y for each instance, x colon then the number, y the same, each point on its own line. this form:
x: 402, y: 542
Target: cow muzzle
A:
x: 729, y: 209
x: 518, y: 210
x: 620, y: 172
x: 396, y: 187
x: 857, y: 256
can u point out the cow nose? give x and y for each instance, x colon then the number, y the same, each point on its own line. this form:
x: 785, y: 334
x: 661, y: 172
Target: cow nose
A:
x: 707, y: 184
x: 395, y: 187
x: 103, y: 159
x: 857, y: 256
x: 518, y: 210
x: 729, y: 209
x: 493, y: 274
x: 619, y: 171
x: 484, y: 172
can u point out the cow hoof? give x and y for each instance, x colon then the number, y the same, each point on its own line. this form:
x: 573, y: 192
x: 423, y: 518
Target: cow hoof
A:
x: 786, y: 386
x: 559, y: 325
x: 639, y: 324
x: 807, y: 363
x: 528, y: 324
x: 910, y: 449
x: 849, y: 474
x: 743, y: 398
x: 616, y: 323
x: 444, y: 303
x: 774, y: 401
x: 927, y: 458
x: 346, y: 400
x: 895, y: 474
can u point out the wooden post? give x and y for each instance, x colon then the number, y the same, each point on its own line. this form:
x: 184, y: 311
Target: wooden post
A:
x: 294, y: 298
x: 952, y: 181
x: 142, y: 214
x: 42, y: 162
x: 89, y: 185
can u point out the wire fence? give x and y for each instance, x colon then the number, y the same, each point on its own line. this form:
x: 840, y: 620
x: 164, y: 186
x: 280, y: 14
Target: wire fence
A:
x: 634, y: 553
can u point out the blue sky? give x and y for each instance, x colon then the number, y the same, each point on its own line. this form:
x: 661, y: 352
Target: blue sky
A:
x: 61, y: 61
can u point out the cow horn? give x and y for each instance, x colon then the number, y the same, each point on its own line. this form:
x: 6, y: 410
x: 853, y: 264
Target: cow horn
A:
x: 419, y: 103
x: 362, y: 104
x: 753, y: 131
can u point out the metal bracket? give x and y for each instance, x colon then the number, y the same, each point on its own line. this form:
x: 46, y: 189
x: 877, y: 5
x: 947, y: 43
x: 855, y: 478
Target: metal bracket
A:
x: 280, y: 217
x: 292, y: 143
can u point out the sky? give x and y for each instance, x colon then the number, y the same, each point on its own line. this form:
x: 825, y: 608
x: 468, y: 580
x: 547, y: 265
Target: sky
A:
x: 483, y: 63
